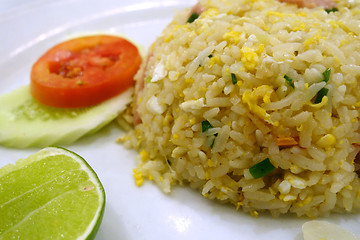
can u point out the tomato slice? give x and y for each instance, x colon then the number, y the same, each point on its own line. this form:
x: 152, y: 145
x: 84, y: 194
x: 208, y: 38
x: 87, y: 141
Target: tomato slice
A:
x: 84, y: 71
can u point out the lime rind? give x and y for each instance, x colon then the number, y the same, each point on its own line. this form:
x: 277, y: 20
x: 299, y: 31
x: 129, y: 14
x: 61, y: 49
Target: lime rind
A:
x: 93, y: 226
x: 92, y: 229
x: 27, y: 123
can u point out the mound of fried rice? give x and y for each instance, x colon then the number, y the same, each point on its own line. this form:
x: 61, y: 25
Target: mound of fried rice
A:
x: 250, y: 81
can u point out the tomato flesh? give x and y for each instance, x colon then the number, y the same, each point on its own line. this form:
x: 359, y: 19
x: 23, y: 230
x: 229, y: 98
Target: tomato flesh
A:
x: 84, y: 71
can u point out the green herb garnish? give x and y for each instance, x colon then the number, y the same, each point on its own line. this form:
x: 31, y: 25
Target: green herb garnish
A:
x: 261, y: 169
x: 210, y: 56
x: 193, y: 17
x: 213, y: 141
x: 148, y: 79
x: 326, y: 75
x: 329, y: 10
x: 322, y: 93
x: 205, y: 126
x: 289, y: 81
x: 233, y: 78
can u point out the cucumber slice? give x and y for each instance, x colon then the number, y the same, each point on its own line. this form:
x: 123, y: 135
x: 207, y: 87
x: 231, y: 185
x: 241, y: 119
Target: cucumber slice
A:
x: 26, y: 123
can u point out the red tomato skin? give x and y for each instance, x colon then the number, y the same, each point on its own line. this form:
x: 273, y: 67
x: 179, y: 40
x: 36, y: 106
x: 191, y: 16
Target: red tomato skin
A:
x: 94, y: 84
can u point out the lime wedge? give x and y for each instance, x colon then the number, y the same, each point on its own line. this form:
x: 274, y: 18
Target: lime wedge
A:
x: 53, y: 194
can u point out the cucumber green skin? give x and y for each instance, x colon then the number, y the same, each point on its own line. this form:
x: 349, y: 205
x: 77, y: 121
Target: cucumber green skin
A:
x: 22, y: 132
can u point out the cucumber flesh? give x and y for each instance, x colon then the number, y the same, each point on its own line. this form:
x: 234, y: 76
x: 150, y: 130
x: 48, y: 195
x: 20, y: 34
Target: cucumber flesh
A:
x: 26, y: 123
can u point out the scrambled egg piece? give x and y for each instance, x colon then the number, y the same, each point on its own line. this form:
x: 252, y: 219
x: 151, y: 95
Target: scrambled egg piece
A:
x: 159, y: 72
x: 323, y: 102
x: 300, y: 26
x: 170, y: 36
x: 233, y: 37
x: 279, y: 14
x: 154, y: 106
x: 214, y: 60
x: 211, y: 12
x: 313, y: 39
x: 254, y: 98
x: 328, y: 140
x: 250, y: 56
x: 139, y: 178
x: 295, y: 181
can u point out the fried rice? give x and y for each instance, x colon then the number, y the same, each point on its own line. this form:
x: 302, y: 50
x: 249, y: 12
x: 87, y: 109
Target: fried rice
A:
x: 254, y: 103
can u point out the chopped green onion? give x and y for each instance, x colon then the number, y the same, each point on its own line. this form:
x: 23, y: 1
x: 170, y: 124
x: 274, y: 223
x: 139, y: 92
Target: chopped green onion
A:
x: 329, y: 10
x: 326, y: 75
x: 289, y: 81
x: 261, y: 169
x: 213, y: 141
x: 210, y: 56
x: 148, y: 79
x: 233, y: 78
x: 193, y: 17
x: 322, y: 93
x: 206, y: 126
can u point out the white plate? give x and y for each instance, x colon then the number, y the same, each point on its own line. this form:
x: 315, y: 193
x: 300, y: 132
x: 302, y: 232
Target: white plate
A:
x: 28, y: 28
